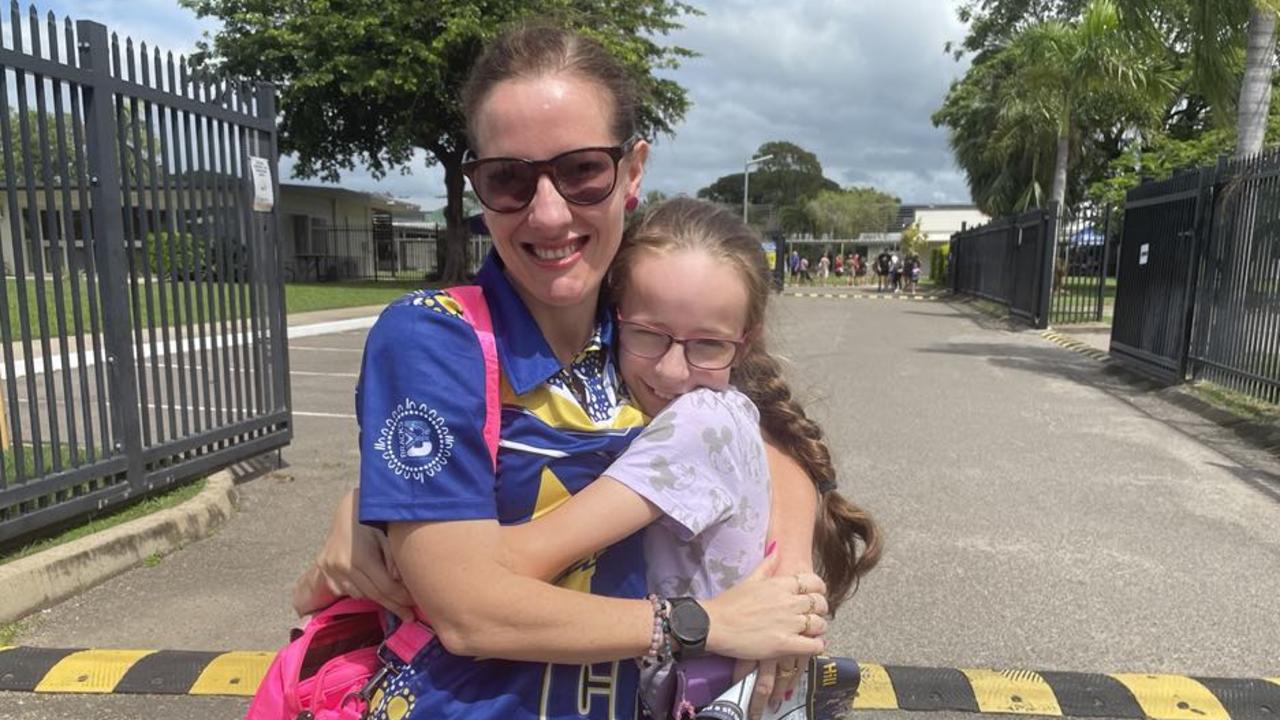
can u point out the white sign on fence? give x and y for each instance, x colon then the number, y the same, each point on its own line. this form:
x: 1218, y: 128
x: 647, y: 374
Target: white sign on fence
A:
x: 263, y: 196
x: 1144, y: 252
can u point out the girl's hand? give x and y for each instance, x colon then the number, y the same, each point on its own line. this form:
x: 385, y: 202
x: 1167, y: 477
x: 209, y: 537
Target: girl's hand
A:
x: 775, y: 681
x: 354, y: 562
x: 766, y: 617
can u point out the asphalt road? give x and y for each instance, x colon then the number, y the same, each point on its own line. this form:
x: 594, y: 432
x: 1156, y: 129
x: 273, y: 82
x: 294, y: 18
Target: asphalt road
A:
x: 1041, y: 512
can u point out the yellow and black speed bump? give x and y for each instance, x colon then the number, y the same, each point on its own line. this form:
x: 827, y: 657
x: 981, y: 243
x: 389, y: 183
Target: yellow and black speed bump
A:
x: 862, y: 296
x: 1023, y: 692
x: 882, y: 687
x: 163, y: 672
x: 1071, y: 343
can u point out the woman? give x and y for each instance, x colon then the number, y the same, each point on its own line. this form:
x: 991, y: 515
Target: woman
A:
x: 553, y: 97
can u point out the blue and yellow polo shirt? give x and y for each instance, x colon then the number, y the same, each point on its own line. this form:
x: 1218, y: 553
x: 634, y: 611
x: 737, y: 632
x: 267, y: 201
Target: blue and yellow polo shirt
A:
x: 420, y: 406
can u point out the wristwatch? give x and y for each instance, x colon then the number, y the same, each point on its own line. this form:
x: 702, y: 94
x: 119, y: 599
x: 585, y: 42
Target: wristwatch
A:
x: 689, y: 626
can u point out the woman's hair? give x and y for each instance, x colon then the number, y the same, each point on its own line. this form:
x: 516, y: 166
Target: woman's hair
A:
x: 846, y: 540
x: 533, y: 50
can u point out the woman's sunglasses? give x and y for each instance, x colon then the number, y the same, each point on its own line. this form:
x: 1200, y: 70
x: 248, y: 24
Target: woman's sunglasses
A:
x: 583, y: 177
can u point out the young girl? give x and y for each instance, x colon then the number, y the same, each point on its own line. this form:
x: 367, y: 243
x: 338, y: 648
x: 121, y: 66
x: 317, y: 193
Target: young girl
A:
x: 690, y: 286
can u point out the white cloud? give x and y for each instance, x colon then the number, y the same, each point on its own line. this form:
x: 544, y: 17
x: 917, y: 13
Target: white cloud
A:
x: 853, y: 81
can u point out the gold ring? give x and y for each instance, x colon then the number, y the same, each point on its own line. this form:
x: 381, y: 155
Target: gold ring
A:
x: 787, y: 673
x: 812, y: 602
x: 806, y: 623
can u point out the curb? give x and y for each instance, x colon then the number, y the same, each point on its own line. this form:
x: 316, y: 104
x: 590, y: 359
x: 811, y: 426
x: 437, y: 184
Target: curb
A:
x: 51, y: 576
x: 881, y: 687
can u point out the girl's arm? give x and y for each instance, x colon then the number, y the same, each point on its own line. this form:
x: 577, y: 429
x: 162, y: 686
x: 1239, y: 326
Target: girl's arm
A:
x: 544, y: 547
x: 596, y: 517
x: 642, y: 486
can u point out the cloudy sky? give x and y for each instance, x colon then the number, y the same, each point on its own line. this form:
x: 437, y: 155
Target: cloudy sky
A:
x: 853, y: 81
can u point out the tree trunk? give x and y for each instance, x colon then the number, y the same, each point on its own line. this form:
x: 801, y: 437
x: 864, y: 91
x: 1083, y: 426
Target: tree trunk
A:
x: 1059, y: 194
x: 1255, y: 88
x: 456, y: 233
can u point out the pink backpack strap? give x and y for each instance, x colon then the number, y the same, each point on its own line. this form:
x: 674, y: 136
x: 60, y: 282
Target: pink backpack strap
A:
x: 409, y: 638
x: 476, y: 312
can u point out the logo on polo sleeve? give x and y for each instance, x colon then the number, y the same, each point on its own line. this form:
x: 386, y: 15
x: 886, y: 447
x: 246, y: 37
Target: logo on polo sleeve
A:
x: 414, y: 441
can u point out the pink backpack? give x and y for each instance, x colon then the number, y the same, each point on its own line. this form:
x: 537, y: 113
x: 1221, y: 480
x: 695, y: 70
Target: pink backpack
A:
x: 332, y: 666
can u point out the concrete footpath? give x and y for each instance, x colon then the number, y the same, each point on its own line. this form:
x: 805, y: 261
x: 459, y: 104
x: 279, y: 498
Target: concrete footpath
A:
x: 1042, y: 510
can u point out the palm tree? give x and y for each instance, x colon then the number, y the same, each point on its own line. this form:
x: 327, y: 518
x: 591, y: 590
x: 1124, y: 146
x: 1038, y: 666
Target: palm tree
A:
x: 1059, y: 63
x: 1231, y: 46
x: 1255, y: 88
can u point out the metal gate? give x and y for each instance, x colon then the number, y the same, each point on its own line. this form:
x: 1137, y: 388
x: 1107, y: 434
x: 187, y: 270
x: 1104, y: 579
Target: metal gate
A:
x: 1199, y: 288
x: 1009, y: 261
x: 141, y: 309
x: 1236, y: 338
x: 1156, y: 274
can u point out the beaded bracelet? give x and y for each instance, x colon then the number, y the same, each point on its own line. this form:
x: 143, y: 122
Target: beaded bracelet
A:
x: 659, y: 643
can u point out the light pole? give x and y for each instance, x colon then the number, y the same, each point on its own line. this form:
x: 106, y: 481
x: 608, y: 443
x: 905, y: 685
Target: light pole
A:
x: 746, y: 176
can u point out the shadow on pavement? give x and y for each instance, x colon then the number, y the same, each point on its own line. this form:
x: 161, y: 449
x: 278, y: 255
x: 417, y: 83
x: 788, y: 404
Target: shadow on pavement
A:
x: 1247, y: 440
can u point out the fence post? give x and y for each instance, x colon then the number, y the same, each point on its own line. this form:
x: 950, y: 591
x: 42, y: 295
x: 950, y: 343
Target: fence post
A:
x: 1106, y: 261
x: 110, y: 246
x: 1048, y: 254
x: 952, y: 256
x: 1202, y: 228
x: 276, y: 320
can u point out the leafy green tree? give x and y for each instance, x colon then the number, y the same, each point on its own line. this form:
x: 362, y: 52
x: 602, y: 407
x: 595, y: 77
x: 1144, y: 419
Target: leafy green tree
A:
x: 371, y: 82
x: 786, y: 181
x: 1058, y: 63
x: 1058, y: 92
x: 32, y: 149
x: 913, y: 241
x: 848, y: 213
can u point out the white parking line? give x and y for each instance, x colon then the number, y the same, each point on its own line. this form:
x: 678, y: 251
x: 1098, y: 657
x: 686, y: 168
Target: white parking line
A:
x: 72, y: 360
x: 324, y: 374
x: 326, y: 349
x: 230, y: 411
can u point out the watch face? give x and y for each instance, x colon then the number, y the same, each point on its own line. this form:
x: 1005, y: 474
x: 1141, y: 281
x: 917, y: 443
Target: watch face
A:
x: 689, y: 622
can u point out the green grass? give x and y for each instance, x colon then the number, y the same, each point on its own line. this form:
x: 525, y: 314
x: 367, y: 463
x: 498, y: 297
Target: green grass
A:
x: 1080, y: 295
x: 112, y: 518
x: 9, y: 631
x: 10, y: 460
x: 299, y: 297
x: 1236, y: 403
x: 306, y: 297
x: 163, y: 306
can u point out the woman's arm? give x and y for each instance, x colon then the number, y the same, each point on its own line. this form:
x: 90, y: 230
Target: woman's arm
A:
x: 792, y: 512
x: 355, y: 561
x: 479, y: 607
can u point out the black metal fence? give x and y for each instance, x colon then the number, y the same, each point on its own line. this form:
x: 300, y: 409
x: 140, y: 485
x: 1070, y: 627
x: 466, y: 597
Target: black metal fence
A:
x: 141, y: 310
x: 339, y: 254
x: 1047, y: 266
x: 1199, y: 287
x: 1084, y: 267
x: 1009, y: 261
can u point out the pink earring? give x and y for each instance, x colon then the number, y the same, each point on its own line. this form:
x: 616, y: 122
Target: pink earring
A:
x: 633, y: 202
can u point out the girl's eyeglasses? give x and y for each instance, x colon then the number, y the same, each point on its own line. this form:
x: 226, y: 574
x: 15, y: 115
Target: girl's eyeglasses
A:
x: 583, y: 177
x: 651, y: 343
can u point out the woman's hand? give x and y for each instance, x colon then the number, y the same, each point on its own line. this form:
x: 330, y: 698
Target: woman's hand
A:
x: 354, y: 562
x: 766, y: 617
